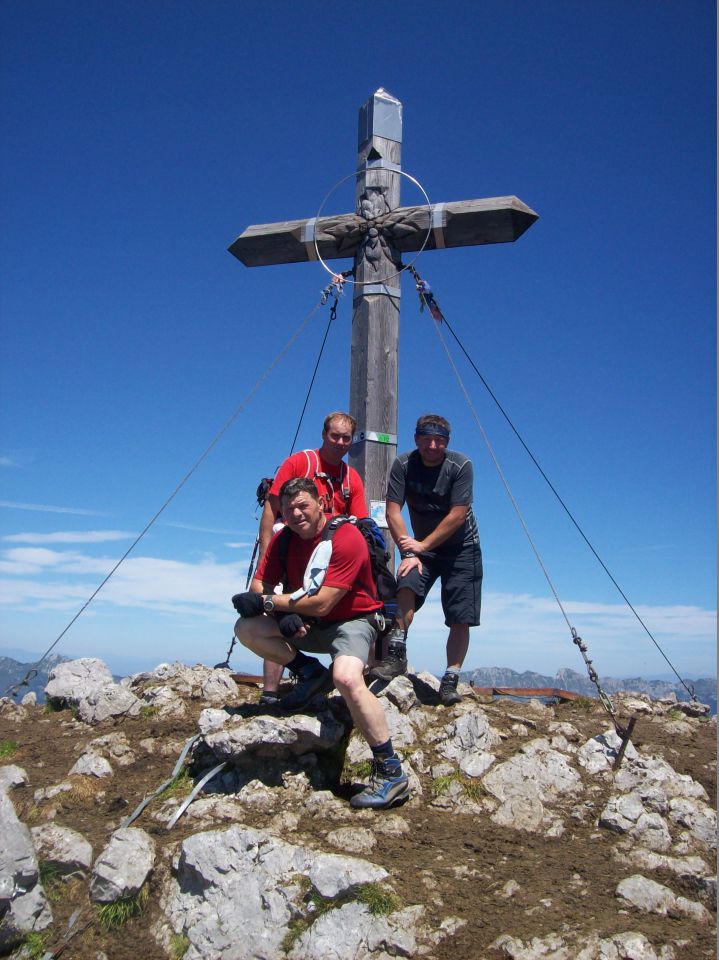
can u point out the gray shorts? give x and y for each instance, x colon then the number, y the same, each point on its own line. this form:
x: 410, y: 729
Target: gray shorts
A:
x: 352, y: 638
x: 461, y: 577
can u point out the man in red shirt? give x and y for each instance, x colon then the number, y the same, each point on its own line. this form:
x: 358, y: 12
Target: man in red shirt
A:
x: 342, y: 492
x: 325, y: 609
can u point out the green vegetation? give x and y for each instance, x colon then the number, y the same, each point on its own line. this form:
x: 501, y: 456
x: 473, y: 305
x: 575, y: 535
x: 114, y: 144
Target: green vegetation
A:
x: 51, y: 879
x: 182, y: 783
x: 470, y: 787
x: 378, y: 900
x: 381, y: 902
x: 111, y: 915
x: 54, y: 706
x: 179, y: 945
x: 148, y: 711
x: 34, y: 944
x: 585, y: 703
x: 8, y: 747
x: 358, y: 771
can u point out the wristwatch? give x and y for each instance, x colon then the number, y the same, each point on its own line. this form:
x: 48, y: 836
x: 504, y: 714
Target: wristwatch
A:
x: 268, y: 604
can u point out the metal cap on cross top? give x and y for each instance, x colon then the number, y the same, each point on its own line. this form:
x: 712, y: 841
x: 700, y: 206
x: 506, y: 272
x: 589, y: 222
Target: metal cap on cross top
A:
x: 376, y: 235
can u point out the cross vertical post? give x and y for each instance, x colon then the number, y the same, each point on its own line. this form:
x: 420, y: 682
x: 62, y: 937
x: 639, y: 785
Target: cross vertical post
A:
x: 376, y: 234
x: 376, y: 296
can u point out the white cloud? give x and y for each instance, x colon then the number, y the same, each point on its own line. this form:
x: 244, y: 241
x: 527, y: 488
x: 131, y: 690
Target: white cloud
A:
x: 70, y: 536
x: 520, y: 631
x: 46, y: 508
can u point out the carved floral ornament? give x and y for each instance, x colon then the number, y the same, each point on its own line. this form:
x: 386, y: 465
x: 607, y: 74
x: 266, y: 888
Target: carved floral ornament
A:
x: 374, y: 230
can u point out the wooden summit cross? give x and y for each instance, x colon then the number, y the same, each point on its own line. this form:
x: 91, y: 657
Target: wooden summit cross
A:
x: 376, y: 235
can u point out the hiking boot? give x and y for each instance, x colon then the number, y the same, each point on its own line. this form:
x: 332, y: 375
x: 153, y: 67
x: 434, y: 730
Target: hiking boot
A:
x: 269, y: 699
x: 312, y: 680
x: 448, y: 690
x: 393, y: 665
x: 388, y: 785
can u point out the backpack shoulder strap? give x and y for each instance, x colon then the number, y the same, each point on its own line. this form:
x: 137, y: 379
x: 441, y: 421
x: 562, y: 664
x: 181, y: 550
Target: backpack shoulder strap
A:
x: 345, y: 481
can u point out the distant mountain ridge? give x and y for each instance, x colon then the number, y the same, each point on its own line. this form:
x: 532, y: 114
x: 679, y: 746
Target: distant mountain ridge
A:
x: 12, y: 672
x: 567, y: 679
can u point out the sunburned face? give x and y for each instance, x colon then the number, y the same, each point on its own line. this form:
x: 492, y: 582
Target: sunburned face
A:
x: 431, y: 448
x: 336, y: 440
x: 303, y: 515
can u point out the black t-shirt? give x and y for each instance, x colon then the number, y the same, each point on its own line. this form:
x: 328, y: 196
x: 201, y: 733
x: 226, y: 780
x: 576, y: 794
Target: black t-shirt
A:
x: 430, y: 492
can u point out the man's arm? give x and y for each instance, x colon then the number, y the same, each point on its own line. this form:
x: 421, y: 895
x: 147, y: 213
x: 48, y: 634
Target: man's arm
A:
x: 318, y: 605
x: 267, y: 521
x: 442, y: 532
x: 398, y: 529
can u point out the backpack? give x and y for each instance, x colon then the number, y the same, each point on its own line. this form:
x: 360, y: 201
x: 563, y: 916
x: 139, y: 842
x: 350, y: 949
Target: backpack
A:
x: 385, y: 584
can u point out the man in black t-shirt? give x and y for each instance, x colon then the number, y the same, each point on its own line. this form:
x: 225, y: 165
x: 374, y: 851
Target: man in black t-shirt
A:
x: 436, y: 485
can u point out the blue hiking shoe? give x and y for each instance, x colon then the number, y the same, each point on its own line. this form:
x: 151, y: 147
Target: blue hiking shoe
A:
x: 312, y: 680
x: 388, y: 785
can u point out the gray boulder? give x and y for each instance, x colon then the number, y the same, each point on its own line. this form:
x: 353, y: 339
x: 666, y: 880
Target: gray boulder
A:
x: 236, y: 891
x: 74, y: 680
x: 109, y: 700
x: 276, y: 737
x: 12, y: 776
x: 123, y: 866
x: 23, y: 905
x: 64, y: 849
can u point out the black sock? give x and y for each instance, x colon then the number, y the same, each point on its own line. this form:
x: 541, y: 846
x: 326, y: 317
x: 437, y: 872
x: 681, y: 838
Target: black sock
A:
x: 383, y: 751
x: 299, y: 660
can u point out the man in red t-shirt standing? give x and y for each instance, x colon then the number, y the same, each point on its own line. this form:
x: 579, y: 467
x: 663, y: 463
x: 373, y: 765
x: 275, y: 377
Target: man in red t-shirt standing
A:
x: 342, y: 493
x: 328, y: 607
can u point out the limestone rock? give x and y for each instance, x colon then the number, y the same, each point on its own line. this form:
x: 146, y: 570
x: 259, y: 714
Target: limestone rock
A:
x: 236, y: 890
x: 278, y: 737
x: 599, y: 754
x: 91, y: 764
x: 74, y: 680
x: 352, y: 839
x: 64, y: 849
x: 109, y: 700
x: 123, y: 866
x: 652, y: 897
x: 342, y: 933
x: 12, y: 776
x: 23, y: 905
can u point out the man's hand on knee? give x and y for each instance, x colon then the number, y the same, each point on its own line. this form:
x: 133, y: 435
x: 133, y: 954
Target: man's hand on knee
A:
x: 248, y: 604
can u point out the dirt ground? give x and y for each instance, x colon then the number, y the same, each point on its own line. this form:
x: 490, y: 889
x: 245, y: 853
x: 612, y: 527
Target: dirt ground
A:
x: 451, y: 863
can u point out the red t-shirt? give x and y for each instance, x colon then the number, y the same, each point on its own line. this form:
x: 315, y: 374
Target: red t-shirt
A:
x: 338, y: 477
x: 349, y: 569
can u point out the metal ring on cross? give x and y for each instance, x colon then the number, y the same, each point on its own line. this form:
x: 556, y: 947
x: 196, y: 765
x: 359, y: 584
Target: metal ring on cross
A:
x: 362, y: 283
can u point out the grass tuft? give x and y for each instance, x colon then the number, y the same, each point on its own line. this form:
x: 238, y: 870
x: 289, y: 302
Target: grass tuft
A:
x: 179, y: 945
x: 112, y: 915
x: 51, y: 880
x: 182, y: 783
x: 471, y: 788
x: 34, y: 944
x: 8, y: 747
x: 380, y: 901
x: 149, y: 710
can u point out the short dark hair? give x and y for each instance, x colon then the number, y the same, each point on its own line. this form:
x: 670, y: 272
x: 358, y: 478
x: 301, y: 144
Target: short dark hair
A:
x: 339, y: 415
x: 434, y: 420
x: 291, y: 488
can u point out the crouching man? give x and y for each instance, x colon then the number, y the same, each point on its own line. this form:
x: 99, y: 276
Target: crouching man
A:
x: 328, y: 607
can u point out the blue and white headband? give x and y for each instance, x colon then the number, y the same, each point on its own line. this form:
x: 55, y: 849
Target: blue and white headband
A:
x: 432, y: 430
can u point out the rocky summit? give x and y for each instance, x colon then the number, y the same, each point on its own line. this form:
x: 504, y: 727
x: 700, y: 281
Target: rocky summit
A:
x: 523, y: 837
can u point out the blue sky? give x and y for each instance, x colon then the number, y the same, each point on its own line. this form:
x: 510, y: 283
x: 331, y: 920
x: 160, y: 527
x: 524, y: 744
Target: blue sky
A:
x: 140, y: 138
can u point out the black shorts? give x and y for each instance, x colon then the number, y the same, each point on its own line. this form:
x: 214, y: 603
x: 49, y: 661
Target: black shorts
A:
x: 461, y: 576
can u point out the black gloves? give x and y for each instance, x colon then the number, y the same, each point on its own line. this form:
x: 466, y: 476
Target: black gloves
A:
x: 248, y: 604
x: 251, y: 605
x: 289, y: 623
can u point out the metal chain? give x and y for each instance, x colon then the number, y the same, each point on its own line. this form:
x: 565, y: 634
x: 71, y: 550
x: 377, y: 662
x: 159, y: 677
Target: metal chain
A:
x: 594, y: 677
x: 427, y: 297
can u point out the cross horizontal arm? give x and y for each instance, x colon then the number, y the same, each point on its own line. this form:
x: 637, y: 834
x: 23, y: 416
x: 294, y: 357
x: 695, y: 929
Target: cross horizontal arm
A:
x: 460, y: 224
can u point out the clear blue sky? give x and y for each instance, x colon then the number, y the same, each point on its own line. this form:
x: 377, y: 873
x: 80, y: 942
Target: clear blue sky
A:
x: 140, y: 138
